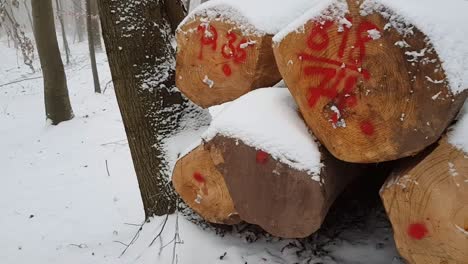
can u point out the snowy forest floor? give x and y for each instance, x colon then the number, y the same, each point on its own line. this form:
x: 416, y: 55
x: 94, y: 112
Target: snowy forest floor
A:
x: 69, y: 193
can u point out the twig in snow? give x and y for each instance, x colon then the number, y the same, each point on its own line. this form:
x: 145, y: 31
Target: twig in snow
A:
x: 107, y: 169
x: 118, y: 142
x: 105, y: 87
x: 120, y: 242
x: 160, y: 231
x: 135, y: 237
x: 22, y: 80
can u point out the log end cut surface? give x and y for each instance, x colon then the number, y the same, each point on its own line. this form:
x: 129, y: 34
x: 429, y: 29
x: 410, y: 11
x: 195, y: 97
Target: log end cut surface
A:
x: 202, y: 187
x: 427, y: 203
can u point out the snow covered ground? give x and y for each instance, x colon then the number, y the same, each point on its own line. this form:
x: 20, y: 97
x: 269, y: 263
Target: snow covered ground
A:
x: 69, y: 193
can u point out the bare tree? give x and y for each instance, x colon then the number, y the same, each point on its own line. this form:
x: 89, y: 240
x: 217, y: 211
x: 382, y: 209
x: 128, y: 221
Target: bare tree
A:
x: 95, y: 27
x: 57, y: 101
x: 15, y: 32
x: 92, y: 53
x: 78, y: 14
x: 59, y: 10
x: 142, y: 62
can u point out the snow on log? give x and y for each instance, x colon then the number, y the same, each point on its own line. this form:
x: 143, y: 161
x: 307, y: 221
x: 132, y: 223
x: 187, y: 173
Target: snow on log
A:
x: 377, y: 80
x: 277, y: 175
x: 202, y: 187
x: 224, y: 47
x: 427, y: 202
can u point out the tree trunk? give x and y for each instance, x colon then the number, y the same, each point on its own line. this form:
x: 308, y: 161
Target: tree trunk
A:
x: 79, y: 21
x: 92, y: 53
x: 142, y: 61
x: 95, y: 28
x: 29, y: 14
x: 62, y: 26
x: 57, y: 102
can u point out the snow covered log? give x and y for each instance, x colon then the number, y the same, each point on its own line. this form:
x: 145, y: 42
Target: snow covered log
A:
x: 426, y: 200
x: 377, y: 80
x: 224, y: 48
x: 277, y: 175
x: 202, y: 187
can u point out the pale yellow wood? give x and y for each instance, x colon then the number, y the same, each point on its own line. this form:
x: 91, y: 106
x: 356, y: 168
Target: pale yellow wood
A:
x: 431, y: 192
x: 202, y: 187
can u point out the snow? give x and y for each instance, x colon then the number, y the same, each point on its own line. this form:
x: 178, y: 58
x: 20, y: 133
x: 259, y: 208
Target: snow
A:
x: 444, y: 22
x: 254, y: 17
x: 322, y: 10
x: 446, y: 25
x: 268, y: 119
x: 60, y: 205
x: 459, y: 135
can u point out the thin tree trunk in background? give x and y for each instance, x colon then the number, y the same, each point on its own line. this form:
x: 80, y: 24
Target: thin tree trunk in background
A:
x: 95, y: 27
x: 92, y: 53
x: 142, y: 62
x: 29, y: 14
x: 79, y: 21
x: 57, y: 102
x: 62, y: 26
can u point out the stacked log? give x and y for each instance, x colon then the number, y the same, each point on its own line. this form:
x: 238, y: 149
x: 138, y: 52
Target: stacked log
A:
x: 426, y: 199
x: 368, y: 83
x: 224, y: 48
x: 274, y: 182
x: 361, y: 82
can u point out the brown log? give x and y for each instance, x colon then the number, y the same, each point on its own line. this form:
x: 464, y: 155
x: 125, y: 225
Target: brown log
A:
x: 218, y: 62
x: 282, y: 200
x: 363, y: 90
x: 427, y: 202
x: 203, y: 188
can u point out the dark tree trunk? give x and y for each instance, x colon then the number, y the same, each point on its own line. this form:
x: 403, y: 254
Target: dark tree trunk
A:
x: 62, y: 26
x: 57, y: 102
x: 92, y: 53
x: 142, y: 62
x: 95, y: 27
x: 79, y: 21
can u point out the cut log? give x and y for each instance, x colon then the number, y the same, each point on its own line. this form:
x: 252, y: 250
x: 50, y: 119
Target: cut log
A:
x: 224, y: 48
x: 427, y: 202
x: 277, y: 175
x: 369, y: 84
x: 202, y: 187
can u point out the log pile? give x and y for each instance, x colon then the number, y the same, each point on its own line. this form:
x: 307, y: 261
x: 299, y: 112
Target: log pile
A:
x: 365, y: 84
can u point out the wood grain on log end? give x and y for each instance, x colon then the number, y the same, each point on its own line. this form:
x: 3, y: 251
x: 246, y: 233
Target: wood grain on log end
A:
x: 217, y: 62
x: 203, y: 188
x: 283, y: 201
x: 368, y: 93
x: 426, y: 199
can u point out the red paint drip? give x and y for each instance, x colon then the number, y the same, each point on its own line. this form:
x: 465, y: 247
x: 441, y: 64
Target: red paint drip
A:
x: 334, y: 118
x: 417, y: 231
x: 227, y: 70
x: 198, y: 177
x: 262, y: 157
x: 367, y: 128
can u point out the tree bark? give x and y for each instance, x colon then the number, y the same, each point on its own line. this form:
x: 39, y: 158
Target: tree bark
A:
x: 95, y: 28
x: 92, y: 52
x: 62, y: 26
x: 79, y: 21
x: 142, y: 61
x: 57, y: 102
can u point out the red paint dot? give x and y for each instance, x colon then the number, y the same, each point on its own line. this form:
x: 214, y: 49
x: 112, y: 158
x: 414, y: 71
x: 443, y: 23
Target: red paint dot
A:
x: 334, y: 118
x: 262, y: 157
x: 417, y: 231
x: 198, y: 177
x: 227, y: 70
x: 367, y: 128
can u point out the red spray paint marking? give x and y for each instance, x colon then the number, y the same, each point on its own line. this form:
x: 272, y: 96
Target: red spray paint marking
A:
x: 198, y: 177
x: 332, y: 78
x: 367, y: 128
x: 262, y: 157
x: 209, y: 36
x: 227, y: 70
x: 417, y: 231
x: 237, y: 53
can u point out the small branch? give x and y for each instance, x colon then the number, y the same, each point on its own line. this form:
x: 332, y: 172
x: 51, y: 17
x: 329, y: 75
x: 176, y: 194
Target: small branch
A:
x: 135, y: 237
x: 22, y: 80
x: 107, y: 169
